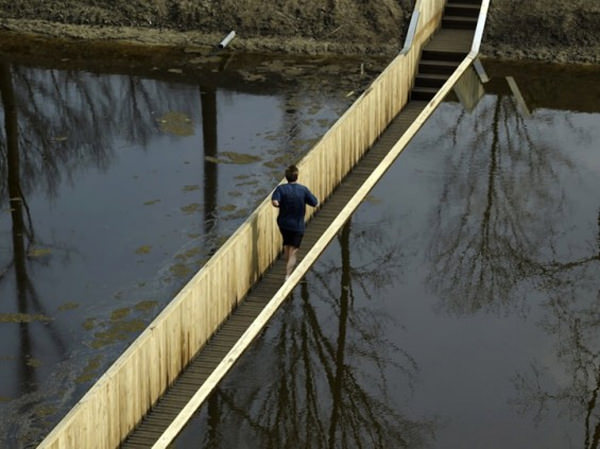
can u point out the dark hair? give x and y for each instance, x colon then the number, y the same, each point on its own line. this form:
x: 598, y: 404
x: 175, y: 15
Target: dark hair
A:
x: 291, y: 173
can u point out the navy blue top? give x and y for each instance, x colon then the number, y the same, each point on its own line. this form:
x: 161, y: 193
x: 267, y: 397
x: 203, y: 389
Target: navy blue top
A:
x: 293, y: 198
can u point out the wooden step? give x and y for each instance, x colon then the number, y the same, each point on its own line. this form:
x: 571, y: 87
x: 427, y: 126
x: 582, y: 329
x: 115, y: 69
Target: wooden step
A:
x: 436, y: 66
x: 462, y: 10
x: 430, y: 80
x: 423, y: 93
x: 458, y: 22
x: 443, y: 55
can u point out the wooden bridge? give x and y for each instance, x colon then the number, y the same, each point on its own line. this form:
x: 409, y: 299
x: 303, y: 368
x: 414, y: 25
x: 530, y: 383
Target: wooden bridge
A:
x: 147, y: 396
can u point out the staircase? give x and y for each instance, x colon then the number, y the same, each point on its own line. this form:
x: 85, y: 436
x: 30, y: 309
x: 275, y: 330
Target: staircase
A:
x: 447, y: 48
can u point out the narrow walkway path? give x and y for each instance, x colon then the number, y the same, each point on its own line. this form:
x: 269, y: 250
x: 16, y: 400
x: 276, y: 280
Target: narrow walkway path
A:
x: 446, y: 51
x: 167, y: 408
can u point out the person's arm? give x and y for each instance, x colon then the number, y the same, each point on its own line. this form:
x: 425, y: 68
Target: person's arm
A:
x: 275, y: 198
x: 311, y: 200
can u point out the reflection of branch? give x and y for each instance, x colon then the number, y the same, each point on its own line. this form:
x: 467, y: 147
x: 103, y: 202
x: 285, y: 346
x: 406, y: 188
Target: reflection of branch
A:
x: 92, y: 110
x: 482, y: 252
x: 6, y: 269
x: 591, y: 405
x: 28, y: 229
x: 35, y: 300
x: 317, y: 395
x: 577, y: 325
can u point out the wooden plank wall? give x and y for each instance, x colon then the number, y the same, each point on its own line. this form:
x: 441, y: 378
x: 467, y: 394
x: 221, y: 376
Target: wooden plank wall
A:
x: 120, y: 398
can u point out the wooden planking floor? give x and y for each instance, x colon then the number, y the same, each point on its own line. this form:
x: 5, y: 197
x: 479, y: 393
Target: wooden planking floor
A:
x: 184, y: 387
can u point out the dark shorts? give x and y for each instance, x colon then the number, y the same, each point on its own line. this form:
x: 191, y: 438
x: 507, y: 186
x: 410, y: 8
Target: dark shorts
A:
x: 291, y: 238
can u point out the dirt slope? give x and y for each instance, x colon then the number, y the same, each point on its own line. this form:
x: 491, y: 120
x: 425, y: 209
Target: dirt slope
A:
x: 552, y: 30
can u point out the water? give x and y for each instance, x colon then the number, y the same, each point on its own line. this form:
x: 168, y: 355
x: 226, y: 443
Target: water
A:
x: 130, y: 182
x: 458, y: 307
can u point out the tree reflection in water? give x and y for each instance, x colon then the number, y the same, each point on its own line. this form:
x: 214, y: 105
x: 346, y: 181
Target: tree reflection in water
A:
x: 28, y: 303
x: 500, y: 226
x: 318, y: 377
x: 501, y: 195
x: 55, y: 122
x: 572, y: 316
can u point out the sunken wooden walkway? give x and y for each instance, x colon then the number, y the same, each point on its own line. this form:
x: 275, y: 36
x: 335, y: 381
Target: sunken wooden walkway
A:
x: 184, y: 387
x: 146, y: 397
x: 440, y: 58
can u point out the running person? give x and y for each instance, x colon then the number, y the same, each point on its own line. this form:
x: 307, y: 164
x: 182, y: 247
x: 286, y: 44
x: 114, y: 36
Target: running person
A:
x: 291, y: 199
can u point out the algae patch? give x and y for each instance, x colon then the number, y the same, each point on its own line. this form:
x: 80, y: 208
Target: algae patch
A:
x: 118, y: 331
x: 68, y: 306
x: 144, y: 306
x: 191, y: 208
x: 90, y: 370
x: 189, y: 253
x: 23, y: 318
x: 227, y: 208
x: 36, y: 253
x: 231, y: 157
x: 145, y: 249
x: 180, y: 270
x: 45, y: 410
x: 33, y: 363
x: 176, y: 123
x: 119, y: 314
x: 89, y: 324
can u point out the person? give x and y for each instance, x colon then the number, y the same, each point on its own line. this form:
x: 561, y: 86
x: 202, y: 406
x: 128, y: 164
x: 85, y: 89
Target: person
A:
x: 291, y: 199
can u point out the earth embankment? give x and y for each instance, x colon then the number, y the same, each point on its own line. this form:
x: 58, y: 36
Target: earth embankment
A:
x: 548, y: 30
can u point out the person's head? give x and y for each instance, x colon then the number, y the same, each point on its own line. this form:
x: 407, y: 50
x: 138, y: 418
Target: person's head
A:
x: 291, y: 173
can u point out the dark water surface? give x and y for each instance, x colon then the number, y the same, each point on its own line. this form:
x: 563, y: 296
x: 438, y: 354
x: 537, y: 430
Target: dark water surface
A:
x: 129, y: 181
x: 460, y: 306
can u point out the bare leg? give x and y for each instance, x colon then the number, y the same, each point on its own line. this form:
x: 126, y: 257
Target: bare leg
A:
x: 290, y: 259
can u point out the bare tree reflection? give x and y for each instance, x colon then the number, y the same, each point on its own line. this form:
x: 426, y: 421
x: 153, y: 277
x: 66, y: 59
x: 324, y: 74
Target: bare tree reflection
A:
x: 573, y: 317
x: 26, y: 293
x: 73, y: 120
x: 208, y: 96
x: 54, y: 124
x: 323, y: 376
x: 497, y: 229
x: 489, y: 236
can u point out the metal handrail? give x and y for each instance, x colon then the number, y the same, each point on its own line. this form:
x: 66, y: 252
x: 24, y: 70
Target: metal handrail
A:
x: 412, y: 30
x: 478, y: 36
